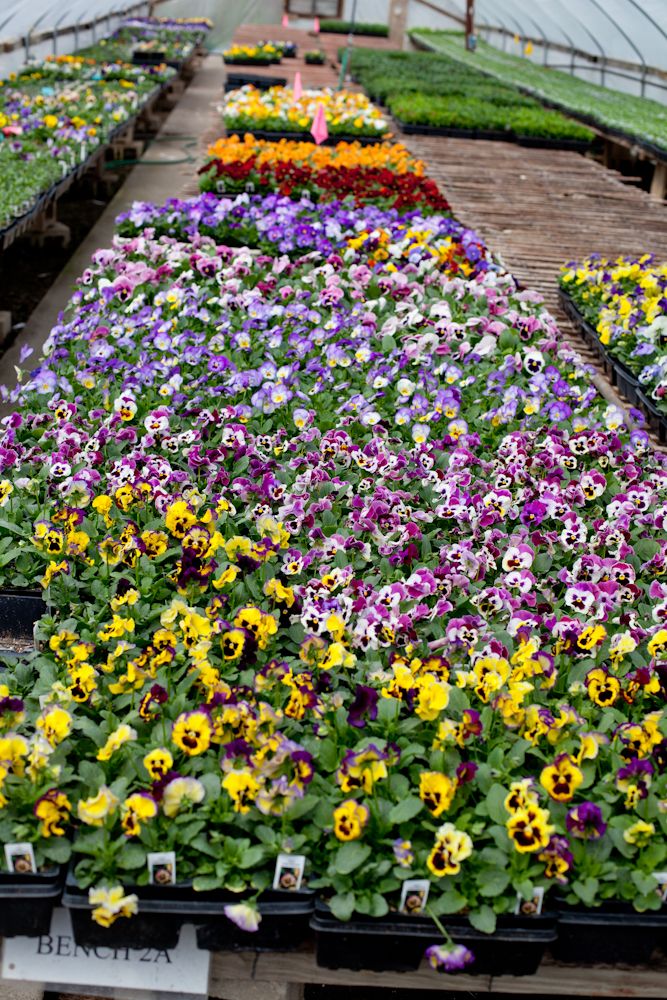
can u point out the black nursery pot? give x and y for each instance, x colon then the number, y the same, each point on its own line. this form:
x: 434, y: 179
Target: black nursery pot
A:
x: 162, y: 912
x: 19, y: 611
x: 27, y: 902
x: 332, y: 140
x: 612, y: 933
x: 283, y: 927
x: 140, y: 58
x: 396, y: 943
x: 626, y: 382
x: 236, y: 80
x: 657, y: 421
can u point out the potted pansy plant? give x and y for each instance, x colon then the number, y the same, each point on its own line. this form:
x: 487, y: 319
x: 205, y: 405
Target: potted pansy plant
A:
x: 37, y: 744
x: 411, y: 849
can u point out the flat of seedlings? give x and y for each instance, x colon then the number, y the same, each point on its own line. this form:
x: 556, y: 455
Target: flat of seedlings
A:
x: 312, y: 76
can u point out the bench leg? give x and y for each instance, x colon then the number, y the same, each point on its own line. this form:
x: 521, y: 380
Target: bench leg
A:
x: 659, y: 182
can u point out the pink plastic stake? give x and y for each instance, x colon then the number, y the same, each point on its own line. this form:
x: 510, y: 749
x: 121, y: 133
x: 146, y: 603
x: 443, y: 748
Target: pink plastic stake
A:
x: 316, y: 25
x: 297, y: 91
x: 285, y: 21
x: 319, y: 130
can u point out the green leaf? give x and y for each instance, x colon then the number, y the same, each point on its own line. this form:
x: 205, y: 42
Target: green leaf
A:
x: 131, y: 856
x: 645, y: 883
x: 379, y: 906
x: 646, y: 548
x: 327, y: 755
x: 251, y: 857
x: 92, y: 775
x: 493, y: 882
x: 541, y: 564
x: 301, y: 807
x: 342, y: 905
x: 586, y: 890
x: 349, y: 856
x: 405, y: 810
x: 204, y: 883
x: 494, y: 803
x: 483, y: 920
x: 449, y: 902
x: 211, y: 783
x: 14, y: 528
x: 58, y: 850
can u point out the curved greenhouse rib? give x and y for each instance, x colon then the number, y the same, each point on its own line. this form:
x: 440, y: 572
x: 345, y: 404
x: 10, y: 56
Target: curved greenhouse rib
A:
x: 620, y: 30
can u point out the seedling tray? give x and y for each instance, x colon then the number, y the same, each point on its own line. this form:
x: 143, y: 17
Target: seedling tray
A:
x: 612, y: 934
x: 396, y: 943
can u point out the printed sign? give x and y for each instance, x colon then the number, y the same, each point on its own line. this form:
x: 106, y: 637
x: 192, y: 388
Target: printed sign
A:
x: 529, y: 907
x: 55, y: 959
x: 161, y: 868
x: 414, y: 895
x: 289, y: 872
x: 661, y: 878
x: 20, y: 859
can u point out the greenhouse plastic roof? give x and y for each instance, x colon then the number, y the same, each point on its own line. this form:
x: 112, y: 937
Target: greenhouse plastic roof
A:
x: 631, y: 30
x: 17, y: 17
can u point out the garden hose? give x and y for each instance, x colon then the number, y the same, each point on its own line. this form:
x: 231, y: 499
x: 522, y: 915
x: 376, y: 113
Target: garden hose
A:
x: 186, y: 142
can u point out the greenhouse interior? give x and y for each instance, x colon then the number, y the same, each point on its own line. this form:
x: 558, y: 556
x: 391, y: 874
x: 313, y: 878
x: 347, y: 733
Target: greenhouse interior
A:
x: 333, y: 499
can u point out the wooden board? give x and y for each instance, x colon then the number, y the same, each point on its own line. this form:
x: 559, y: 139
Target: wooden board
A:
x: 231, y: 970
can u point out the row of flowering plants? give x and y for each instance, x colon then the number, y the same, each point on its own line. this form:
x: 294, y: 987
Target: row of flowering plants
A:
x: 55, y: 114
x: 149, y: 39
x: 277, y: 110
x: 346, y: 561
x: 261, y: 54
x: 384, y: 174
x: 625, y: 301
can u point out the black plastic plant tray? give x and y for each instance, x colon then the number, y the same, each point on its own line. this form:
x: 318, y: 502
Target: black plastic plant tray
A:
x: 283, y: 927
x: 612, y: 934
x: 495, y: 135
x: 236, y: 80
x: 396, y: 943
x: 162, y: 912
x: 626, y: 382
x: 140, y: 58
x: 27, y: 902
x: 249, y: 61
x: 657, y: 421
x: 19, y: 611
x: 540, y: 142
x: 364, y: 140
x: 586, y: 331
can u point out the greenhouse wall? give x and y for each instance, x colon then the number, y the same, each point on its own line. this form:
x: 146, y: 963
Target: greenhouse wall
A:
x: 227, y: 15
x: 375, y: 11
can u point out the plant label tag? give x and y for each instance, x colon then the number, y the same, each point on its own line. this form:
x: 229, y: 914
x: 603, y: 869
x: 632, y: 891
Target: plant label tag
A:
x: 289, y: 872
x: 20, y: 859
x: 220, y: 186
x: 57, y: 963
x: 161, y: 867
x: 250, y: 187
x: 529, y: 907
x: 414, y: 896
x: 661, y: 879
